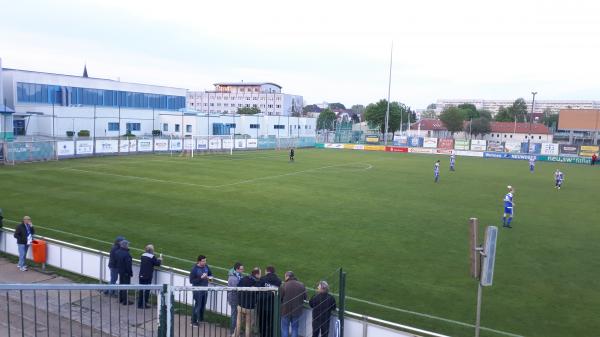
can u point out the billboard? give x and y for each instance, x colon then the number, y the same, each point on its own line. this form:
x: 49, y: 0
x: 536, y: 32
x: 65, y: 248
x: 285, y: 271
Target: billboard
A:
x: 495, y: 146
x: 227, y: 143
x: 201, y: 144
x: 251, y: 143
x: 31, y: 151
x: 568, y: 149
x: 161, y: 144
x: 214, y: 143
x: 372, y: 139
x: 512, y: 147
x: 240, y: 143
x: 461, y: 144
x: 106, y: 146
x: 535, y: 148
x: 401, y: 141
x: 430, y: 143
x: 396, y: 149
x: 421, y: 150
x: 144, y: 145
x: 415, y: 141
x: 374, y: 147
x: 124, y: 146
x: 65, y: 148
x: 563, y: 159
x: 588, y: 150
x: 550, y: 149
x: 468, y: 153
x: 175, y: 145
x: 188, y: 144
x: 445, y: 143
x: 478, y: 145
x: 84, y: 147
x: 133, y: 145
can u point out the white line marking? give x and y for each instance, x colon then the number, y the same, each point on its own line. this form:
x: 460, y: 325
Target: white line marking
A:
x: 139, y: 178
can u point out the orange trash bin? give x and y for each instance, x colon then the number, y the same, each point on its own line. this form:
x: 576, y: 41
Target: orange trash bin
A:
x: 38, y: 250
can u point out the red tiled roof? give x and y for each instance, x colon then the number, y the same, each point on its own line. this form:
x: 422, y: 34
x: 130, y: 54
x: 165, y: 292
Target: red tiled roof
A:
x: 509, y: 127
x: 429, y: 124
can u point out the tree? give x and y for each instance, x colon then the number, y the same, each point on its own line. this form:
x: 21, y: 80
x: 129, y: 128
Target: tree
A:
x: 518, y: 110
x: 470, y: 110
x: 550, y: 120
x: 432, y: 106
x: 375, y: 115
x: 337, y: 106
x: 485, y: 114
x: 503, y: 115
x: 311, y: 108
x: 453, y: 119
x: 480, y: 126
x: 359, y: 110
x: 248, y: 110
x: 428, y: 114
x: 325, y: 120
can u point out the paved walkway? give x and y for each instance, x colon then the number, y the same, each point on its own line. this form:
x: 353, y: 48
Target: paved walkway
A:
x: 78, y: 313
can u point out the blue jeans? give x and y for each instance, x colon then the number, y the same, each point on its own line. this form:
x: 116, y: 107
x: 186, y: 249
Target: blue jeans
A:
x: 22, y: 254
x: 199, y: 305
x: 114, y: 276
x: 233, y: 317
x: 285, y: 325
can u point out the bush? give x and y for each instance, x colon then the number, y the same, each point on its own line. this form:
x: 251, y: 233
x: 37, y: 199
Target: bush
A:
x: 70, y: 134
x: 129, y: 135
x: 156, y: 133
x: 83, y: 133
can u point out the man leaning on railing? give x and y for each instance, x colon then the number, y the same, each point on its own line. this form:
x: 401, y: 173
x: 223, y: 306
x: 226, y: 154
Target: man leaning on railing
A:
x: 147, y: 263
x: 24, y: 235
x: 247, y: 303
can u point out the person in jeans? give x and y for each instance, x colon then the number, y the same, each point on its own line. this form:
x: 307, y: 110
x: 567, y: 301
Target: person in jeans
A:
x: 235, y: 275
x: 247, y: 303
x: 112, y: 264
x: 322, y: 305
x: 147, y: 263
x: 199, y: 277
x: 24, y: 235
x: 293, y: 295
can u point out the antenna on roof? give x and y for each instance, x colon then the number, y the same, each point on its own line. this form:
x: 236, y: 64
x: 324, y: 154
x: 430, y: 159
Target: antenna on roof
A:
x: 85, y: 74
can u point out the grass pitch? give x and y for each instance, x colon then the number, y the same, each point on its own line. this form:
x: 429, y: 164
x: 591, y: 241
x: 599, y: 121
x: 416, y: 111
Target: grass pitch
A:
x: 402, y: 239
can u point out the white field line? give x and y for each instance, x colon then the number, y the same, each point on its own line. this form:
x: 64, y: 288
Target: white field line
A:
x: 347, y: 297
x: 138, y: 178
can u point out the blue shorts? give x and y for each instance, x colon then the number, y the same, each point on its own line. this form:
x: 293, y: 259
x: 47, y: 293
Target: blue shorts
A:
x: 508, y: 210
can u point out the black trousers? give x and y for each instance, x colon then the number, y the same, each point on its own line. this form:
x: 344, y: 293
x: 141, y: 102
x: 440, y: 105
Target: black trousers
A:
x: 322, y: 327
x: 143, y: 295
x: 124, y: 279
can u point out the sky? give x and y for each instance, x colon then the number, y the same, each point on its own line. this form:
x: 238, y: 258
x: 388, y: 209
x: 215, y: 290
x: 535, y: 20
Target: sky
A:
x: 327, y: 50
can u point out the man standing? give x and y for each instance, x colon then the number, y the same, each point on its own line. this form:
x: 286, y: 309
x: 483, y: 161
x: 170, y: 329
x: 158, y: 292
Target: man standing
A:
x: 322, y: 304
x: 531, y: 164
x: 247, y: 303
x: 199, y: 277
x: 293, y: 295
x: 125, y: 267
x: 436, y: 171
x: 558, y: 179
x: 24, y: 235
x: 112, y: 264
x: 147, y: 263
x: 508, y: 207
x: 235, y: 275
x: 594, y: 159
x: 452, y: 161
x: 266, y: 302
x: 292, y: 154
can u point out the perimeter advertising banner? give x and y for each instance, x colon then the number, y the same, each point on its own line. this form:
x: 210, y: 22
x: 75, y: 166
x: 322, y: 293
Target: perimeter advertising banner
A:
x: 188, y: 144
x: 144, y: 145
x: 415, y: 141
x: 31, y: 151
x: 227, y: 143
x: 430, y: 143
x: 240, y: 143
x: 133, y: 145
x: 201, y: 144
x: 161, y: 144
x: 251, y: 143
x: 563, y: 159
x: 568, y: 149
x: 478, y: 145
x: 445, y: 143
x: 372, y: 139
x: 401, y: 141
x: 124, y: 146
x: 374, y: 147
x: 106, y: 146
x: 359, y: 147
x: 175, y: 145
x: 549, y: 149
x: 495, y: 146
x: 461, y: 144
x: 503, y: 155
x: 214, y: 143
x: 396, y: 149
x: 421, y: 150
x: 84, y: 147
x: 535, y: 148
x: 512, y: 147
x: 65, y: 148
x: 588, y: 150
x: 469, y: 153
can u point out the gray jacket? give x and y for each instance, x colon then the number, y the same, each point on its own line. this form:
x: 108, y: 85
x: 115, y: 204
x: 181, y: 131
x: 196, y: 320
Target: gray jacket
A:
x: 232, y: 281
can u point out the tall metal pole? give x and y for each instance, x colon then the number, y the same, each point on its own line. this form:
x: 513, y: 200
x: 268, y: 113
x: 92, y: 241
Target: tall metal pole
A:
x: 533, y: 93
x: 387, y: 112
x: 94, y: 135
x: 478, y: 315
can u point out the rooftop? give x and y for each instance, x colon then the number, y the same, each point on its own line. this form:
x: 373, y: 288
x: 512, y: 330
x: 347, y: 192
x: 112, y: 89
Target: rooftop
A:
x: 241, y: 84
x: 511, y: 127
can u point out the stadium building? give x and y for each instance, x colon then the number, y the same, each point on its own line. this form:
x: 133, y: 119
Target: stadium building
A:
x: 229, y: 97
x: 50, y: 105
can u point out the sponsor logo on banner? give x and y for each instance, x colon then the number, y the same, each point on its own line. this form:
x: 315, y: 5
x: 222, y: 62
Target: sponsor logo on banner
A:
x: 495, y: 146
x: 568, y: 160
x: 550, y: 149
x: 535, y: 148
x: 401, y: 141
x: 420, y: 150
x: 396, y: 149
x: 446, y: 143
x: 188, y: 144
x: 468, y: 153
x: 161, y: 144
x: 144, y: 145
x: 107, y: 146
x: 240, y: 143
x: 349, y: 146
x: 504, y: 155
x: 124, y: 146
x: 84, y: 147
x: 132, y: 145
x: 374, y: 147
x: 461, y: 144
x: 65, y: 148
x: 227, y: 143
x: 372, y: 139
x: 430, y: 143
x: 568, y: 149
x: 251, y: 143
x: 334, y: 146
x: 444, y: 151
x: 588, y: 150
x: 201, y: 144
x: 175, y: 145
x: 359, y: 147
x: 214, y: 143
x: 478, y: 145
x: 512, y: 147
x: 415, y: 141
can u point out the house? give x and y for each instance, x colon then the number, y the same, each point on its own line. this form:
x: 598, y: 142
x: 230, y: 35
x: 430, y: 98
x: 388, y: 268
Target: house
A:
x: 522, y: 132
x: 428, y: 127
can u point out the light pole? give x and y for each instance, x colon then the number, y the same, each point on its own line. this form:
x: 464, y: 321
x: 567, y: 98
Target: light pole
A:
x: 533, y: 93
x: 387, y: 111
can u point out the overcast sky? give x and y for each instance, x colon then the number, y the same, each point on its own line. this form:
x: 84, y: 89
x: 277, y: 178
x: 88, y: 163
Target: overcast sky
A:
x: 324, y: 50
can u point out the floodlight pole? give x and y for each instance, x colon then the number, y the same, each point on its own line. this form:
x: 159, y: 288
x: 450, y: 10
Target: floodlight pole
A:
x: 387, y: 111
x: 478, y: 317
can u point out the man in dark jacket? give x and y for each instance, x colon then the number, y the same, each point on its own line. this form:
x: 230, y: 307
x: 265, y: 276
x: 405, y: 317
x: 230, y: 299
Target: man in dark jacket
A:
x: 246, y: 302
x: 322, y: 304
x: 112, y: 264
x: 266, y: 302
x: 199, y: 277
x: 293, y: 295
x: 24, y: 235
x: 147, y: 263
x: 125, y: 268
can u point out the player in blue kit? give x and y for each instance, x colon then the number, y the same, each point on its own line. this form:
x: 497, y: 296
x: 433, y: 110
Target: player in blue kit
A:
x: 452, y: 161
x: 558, y: 179
x: 531, y: 164
x: 436, y: 171
x: 508, y: 207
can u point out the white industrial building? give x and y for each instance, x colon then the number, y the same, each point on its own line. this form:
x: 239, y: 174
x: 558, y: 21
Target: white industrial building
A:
x: 229, y: 97
x: 493, y: 105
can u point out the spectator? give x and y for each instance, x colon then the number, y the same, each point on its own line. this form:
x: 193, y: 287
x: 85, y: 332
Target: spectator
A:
x: 235, y: 275
x: 24, y: 235
x: 293, y: 295
x: 112, y: 264
x: 124, y: 265
x: 199, y: 277
x: 1, y: 218
x: 266, y: 302
x: 147, y: 263
x: 322, y: 304
x: 247, y: 302
x: 594, y: 159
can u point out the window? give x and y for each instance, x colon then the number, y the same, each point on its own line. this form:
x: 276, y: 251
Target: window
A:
x: 242, y: 89
x: 247, y: 105
x: 218, y: 104
x: 540, y: 137
x: 188, y: 128
x: 239, y: 105
x: 255, y: 98
x: 177, y: 127
x: 192, y: 103
x: 133, y: 127
x: 510, y: 136
x: 504, y: 136
x: 212, y: 104
x: 113, y: 126
x: 254, y: 106
x: 230, y: 125
x: 254, y: 126
x: 278, y: 126
x: 278, y: 106
x: 247, y: 98
x: 225, y: 104
x: 165, y: 127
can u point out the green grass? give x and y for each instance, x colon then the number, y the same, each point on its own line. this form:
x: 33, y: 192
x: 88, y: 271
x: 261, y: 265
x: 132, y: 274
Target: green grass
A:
x: 402, y: 239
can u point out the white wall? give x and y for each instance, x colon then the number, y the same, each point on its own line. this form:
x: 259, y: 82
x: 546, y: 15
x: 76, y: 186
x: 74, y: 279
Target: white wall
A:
x: 521, y: 137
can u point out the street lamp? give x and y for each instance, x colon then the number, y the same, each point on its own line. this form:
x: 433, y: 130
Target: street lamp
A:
x: 533, y: 93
